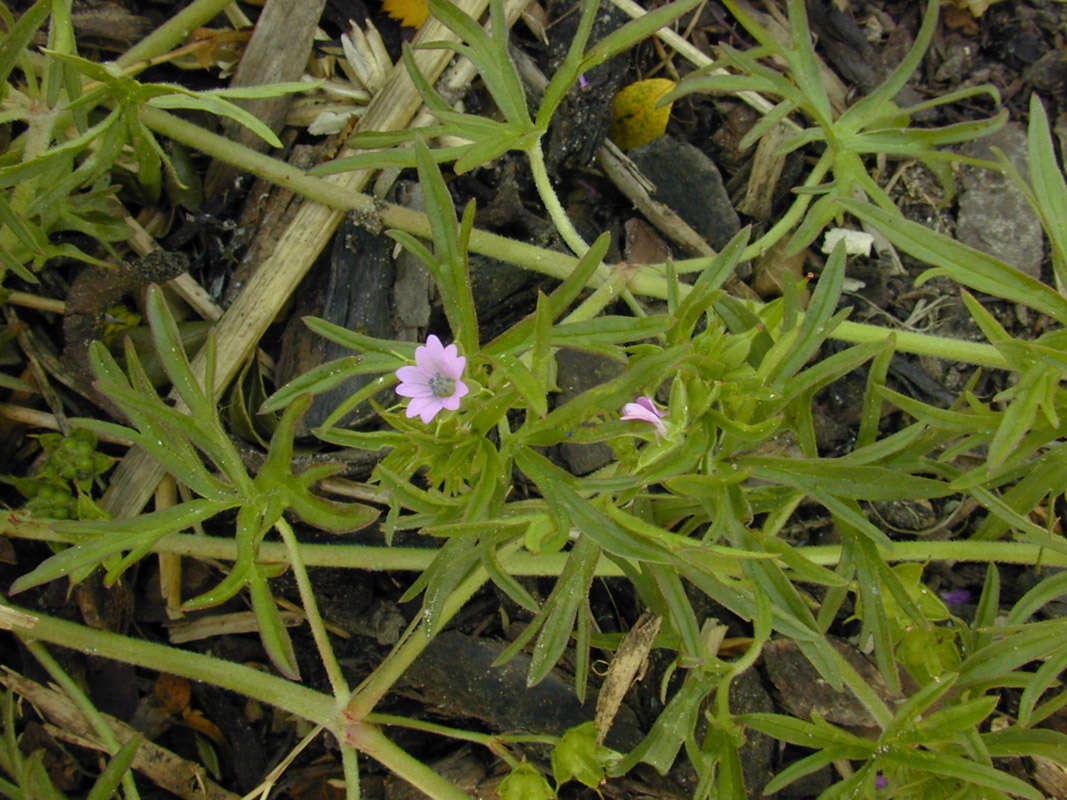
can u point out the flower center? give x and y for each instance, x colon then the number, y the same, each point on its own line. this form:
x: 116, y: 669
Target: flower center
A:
x: 442, y: 385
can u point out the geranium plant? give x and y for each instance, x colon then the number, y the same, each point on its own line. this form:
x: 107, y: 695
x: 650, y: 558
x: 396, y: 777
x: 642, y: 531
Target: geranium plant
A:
x: 710, y: 424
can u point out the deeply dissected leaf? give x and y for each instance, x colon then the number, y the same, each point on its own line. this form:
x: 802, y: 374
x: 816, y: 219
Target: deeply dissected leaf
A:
x: 104, y: 539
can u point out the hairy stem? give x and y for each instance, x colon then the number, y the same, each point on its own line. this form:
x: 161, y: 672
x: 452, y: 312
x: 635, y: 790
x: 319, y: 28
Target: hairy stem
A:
x: 173, y: 32
x: 292, y: 697
x: 410, y: 559
x: 370, y: 740
x: 646, y: 280
x: 548, y: 196
x: 414, y: 641
x: 85, y: 706
x: 311, y: 611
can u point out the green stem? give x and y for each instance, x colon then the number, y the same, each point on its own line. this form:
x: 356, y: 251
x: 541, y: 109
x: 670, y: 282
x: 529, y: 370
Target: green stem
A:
x: 862, y: 689
x: 487, y: 740
x: 332, y: 192
x: 350, y: 768
x: 286, y: 695
x: 983, y: 355
x: 415, y: 640
x: 311, y: 611
x: 173, y: 32
x: 370, y: 740
x: 793, y: 215
x: 416, y: 559
x: 647, y: 279
x: 555, y: 209
x: 86, y: 707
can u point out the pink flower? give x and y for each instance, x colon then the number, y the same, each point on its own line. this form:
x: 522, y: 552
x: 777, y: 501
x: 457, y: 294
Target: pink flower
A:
x: 644, y: 410
x: 434, y: 382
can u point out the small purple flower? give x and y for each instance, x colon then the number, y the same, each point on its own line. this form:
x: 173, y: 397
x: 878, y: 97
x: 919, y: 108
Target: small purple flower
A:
x: 881, y: 782
x: 644, y: 410
x: 956, y: 597
x: 434, y: 382
x: 582, y: 81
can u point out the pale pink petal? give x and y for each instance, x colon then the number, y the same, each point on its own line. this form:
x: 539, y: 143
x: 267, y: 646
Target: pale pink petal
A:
x: 430, y: 412
x: 424, y: 407
x: 427, y: 356
x: 644, y: 410
x: 433, y: 361
x: 411, y: 374
x: 414, y: 390
x: 647, y: 402
x: 455, y: 368
x: 444, y: 363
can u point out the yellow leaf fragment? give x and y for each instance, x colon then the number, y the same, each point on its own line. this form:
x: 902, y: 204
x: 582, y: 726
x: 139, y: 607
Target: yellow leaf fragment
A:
x: 411, y: 13
x: 635, y: 118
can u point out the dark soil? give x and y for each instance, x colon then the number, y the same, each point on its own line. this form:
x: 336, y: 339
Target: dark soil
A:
x: 1016, y: 46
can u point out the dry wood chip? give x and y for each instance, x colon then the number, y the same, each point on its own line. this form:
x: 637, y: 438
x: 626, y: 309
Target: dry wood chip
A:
x: 626, y: 667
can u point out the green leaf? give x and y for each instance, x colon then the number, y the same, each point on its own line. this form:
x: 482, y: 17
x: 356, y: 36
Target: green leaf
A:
x: 555, y: 488
x: 20, y: 35
x: 1049, y: 187
x: 561, y: 609
x: 218, y: 106
x: 489, y: 53
x: 525, y: 782
x: 634, y: 31
x: 947, y: 724
x: 566, y: 74
x: 272, y: 631
x: 1018, y: 741
x: 1047, y: 676
x: 577, y: 756
x: 869, y: 108
x: 330, y: 515
x: 804, y: 66
x: 530, y: 389
x: 805, y: 766
x: 817, y: 734
x: 995, y: 662
x: 168, y: 346
x: 315, y: 381
x: 401, y: 352
x: 843, y: 479
x: 107, y: 782
x: 963, y: 264
x: 672, y: 727
x: 104, y: 539
x: 1050, y: 588
x: 38, y: 167
x: 680, y: 614
x: 818, y: 325
x: 961, y: 769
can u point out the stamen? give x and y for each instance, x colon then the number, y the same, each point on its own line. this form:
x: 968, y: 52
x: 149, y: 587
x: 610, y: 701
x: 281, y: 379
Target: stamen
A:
x: 442, y: 385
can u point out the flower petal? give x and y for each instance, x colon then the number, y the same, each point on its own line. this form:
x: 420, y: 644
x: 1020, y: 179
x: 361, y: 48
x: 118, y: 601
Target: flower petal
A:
x: 411, y: 374
x: 455, y: 366
x: 644, y: 410
x: 428, y: 355
x: 424, y: 407
x: 414, y: 390
x: 647, y: 402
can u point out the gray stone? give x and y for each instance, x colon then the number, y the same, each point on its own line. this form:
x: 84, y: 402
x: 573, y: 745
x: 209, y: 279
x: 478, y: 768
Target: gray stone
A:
x: 994, y: 216
x: 578, y: 372
x: 689, y: 182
